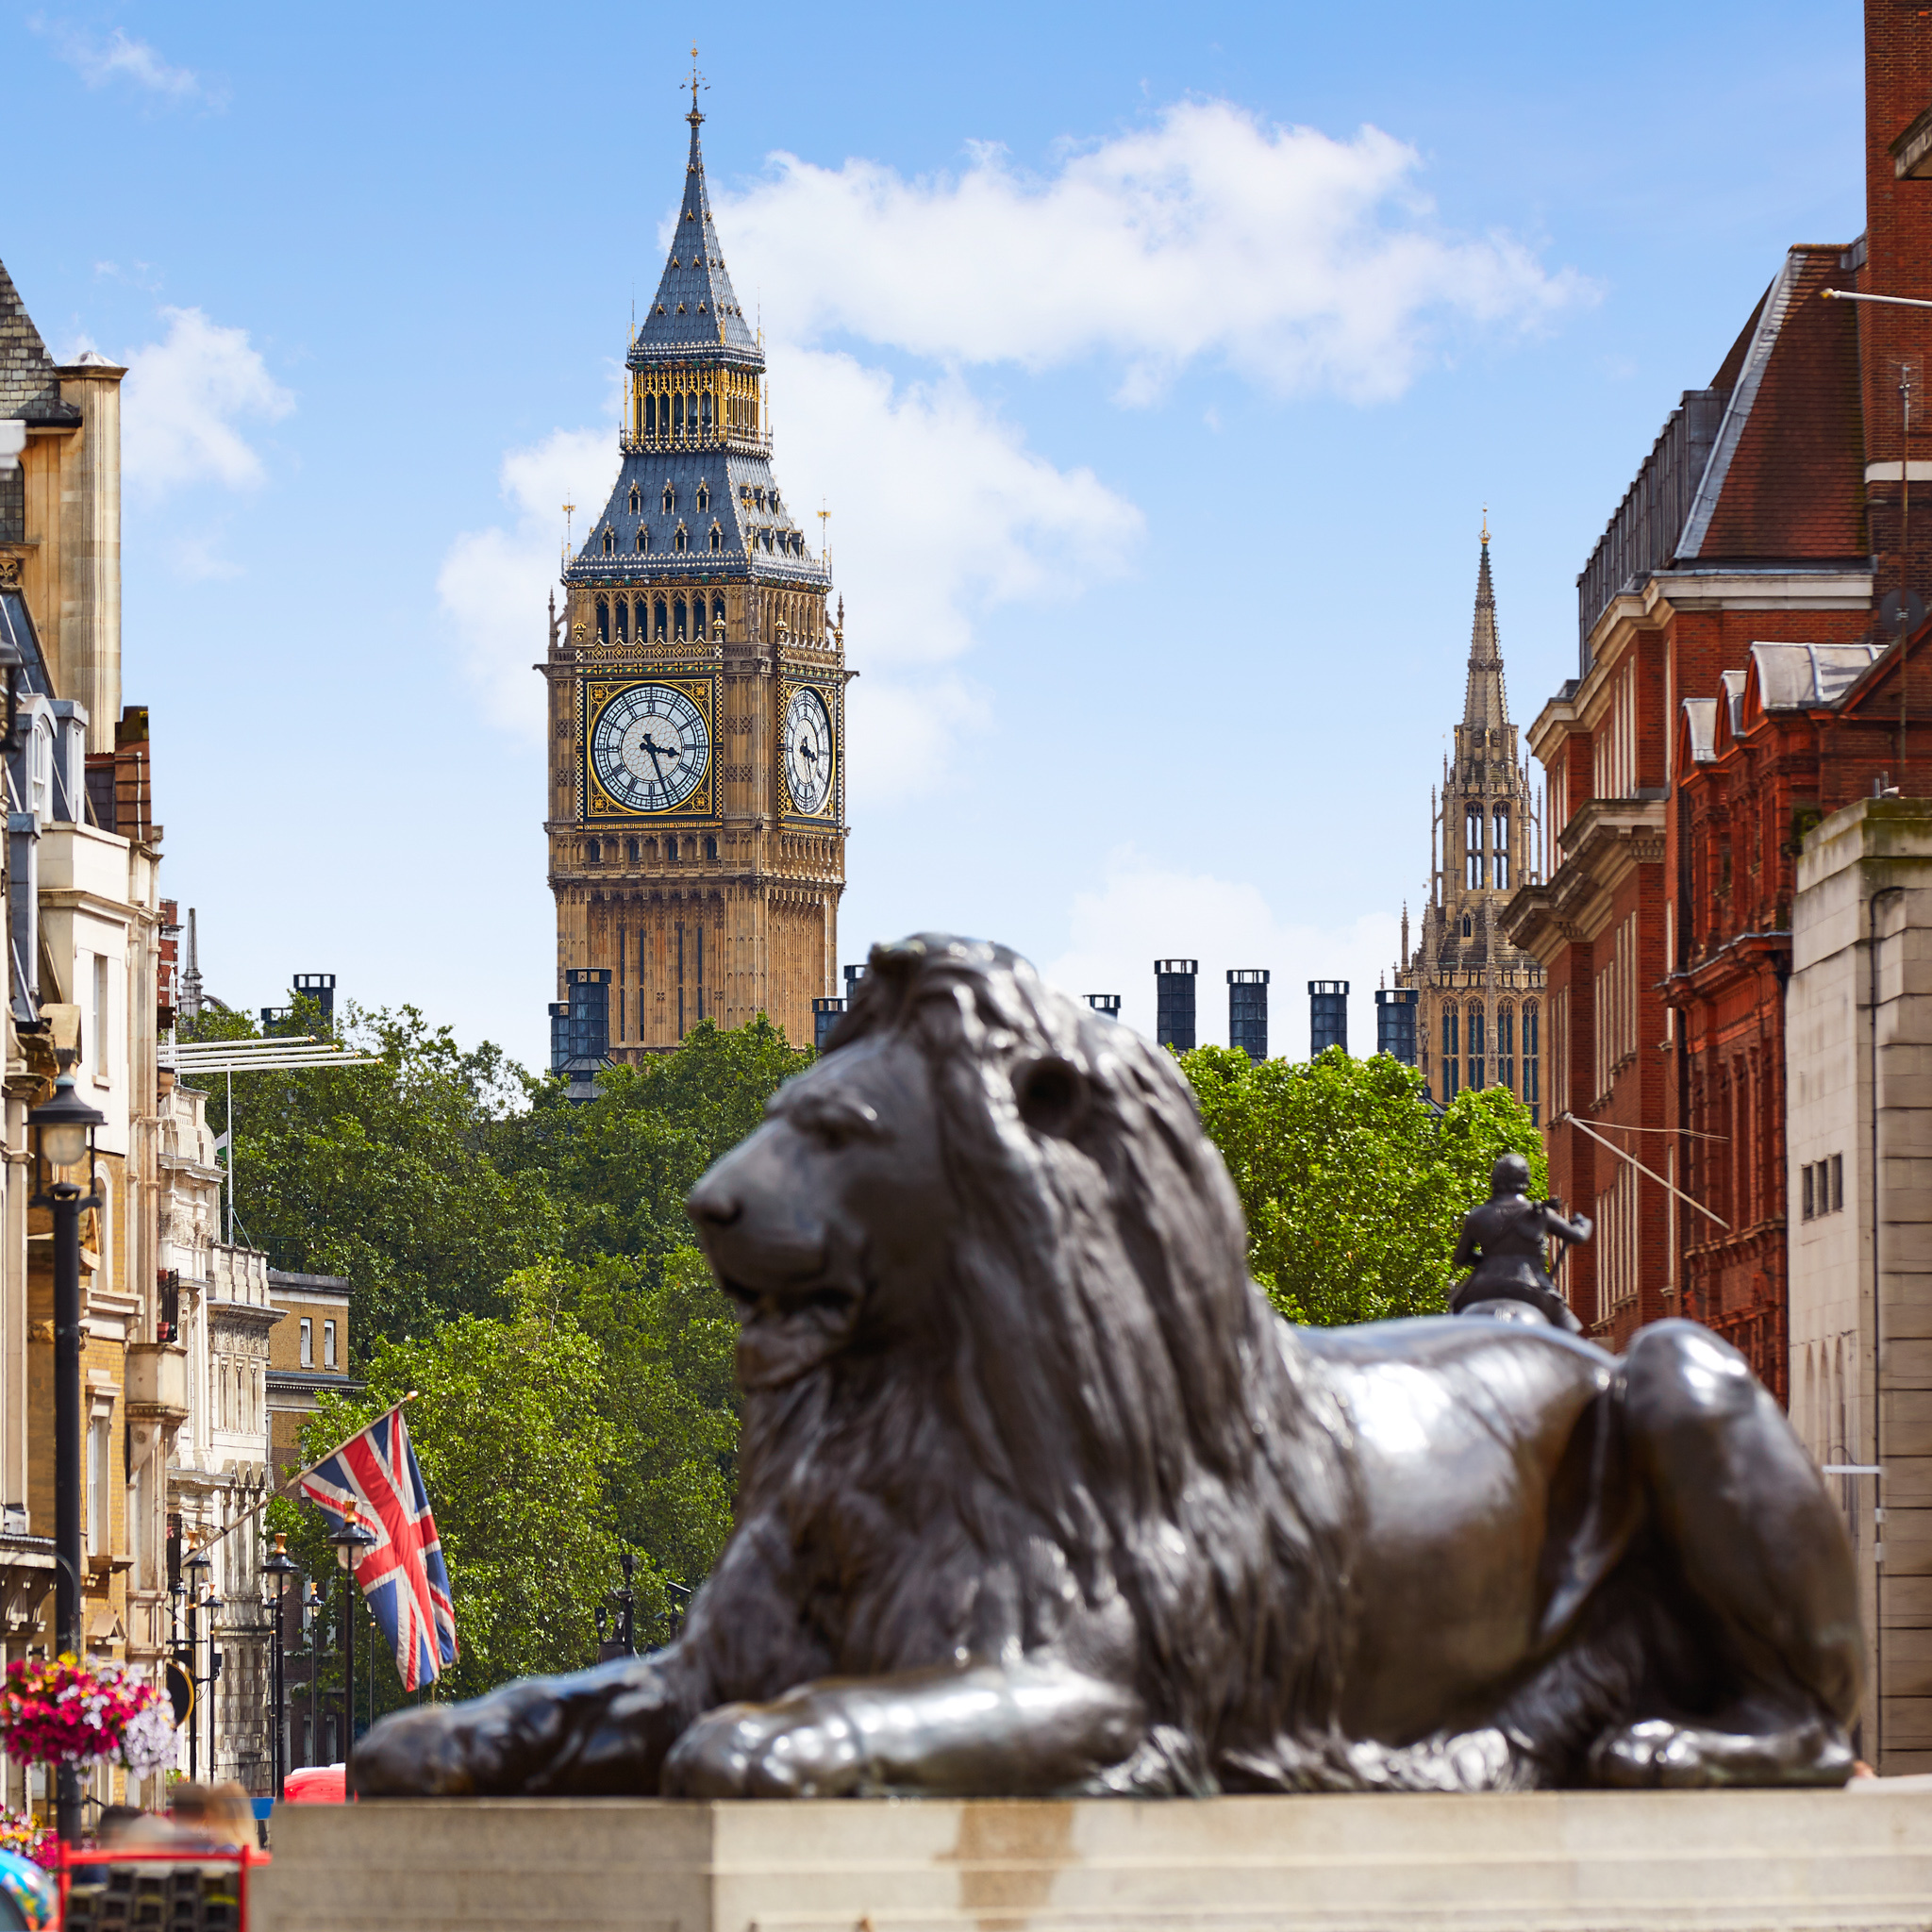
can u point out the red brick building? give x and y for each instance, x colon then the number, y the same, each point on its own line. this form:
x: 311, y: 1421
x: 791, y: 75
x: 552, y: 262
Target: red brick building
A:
x: 1730, y: 685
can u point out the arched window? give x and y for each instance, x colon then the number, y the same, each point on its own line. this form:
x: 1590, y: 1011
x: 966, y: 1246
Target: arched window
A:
x: 717, y: 538
x: 643, y: 539
x: 594, y: 853
x: 1476, y: 1043
x: 677, y: 413
x: 650, y: 415
x: 658, y: 628
x: 671, y: 847
x: 1505, y: 1047
x: 603, y: 620
x: 670, y: 499
x: 682, y: 539
x: 1532, y: 1064
x: 1472, y: 847
x: 678, y: 630
x: 1499, y: 849
x: 1468, y: 927
x: 706, y: 416
x: 624, y: 621
x: 1452, y: 1051
x: 712, y: 849
x: 630, y: 850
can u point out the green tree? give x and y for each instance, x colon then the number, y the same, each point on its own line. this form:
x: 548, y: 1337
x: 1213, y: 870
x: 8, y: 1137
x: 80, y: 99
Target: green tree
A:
x: 391, y: 1175
x: 1353, y: 1187
x: 512, y: 1430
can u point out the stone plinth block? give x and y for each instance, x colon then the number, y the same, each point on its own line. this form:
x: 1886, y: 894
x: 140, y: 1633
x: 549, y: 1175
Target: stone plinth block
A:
x: 1583, y: 1861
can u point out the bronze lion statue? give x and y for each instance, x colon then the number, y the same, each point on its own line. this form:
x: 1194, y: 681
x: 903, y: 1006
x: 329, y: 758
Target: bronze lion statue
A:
x: 1039, y: 1495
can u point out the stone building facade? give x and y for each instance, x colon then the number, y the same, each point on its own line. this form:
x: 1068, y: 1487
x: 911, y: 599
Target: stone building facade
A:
x: 81, y: 991
x: 696, y: 693
x: 1480, y: 1001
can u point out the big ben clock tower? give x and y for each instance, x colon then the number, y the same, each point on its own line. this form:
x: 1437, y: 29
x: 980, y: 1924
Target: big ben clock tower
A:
x: 697, y: 685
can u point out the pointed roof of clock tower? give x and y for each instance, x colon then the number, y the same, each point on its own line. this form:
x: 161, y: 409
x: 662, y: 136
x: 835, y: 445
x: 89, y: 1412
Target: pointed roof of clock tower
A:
x: 695, y: 306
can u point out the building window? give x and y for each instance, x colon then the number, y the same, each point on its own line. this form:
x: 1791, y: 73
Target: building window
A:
x: 603, y: 620
x: 659, y: 615
x: 1477, y: 1026
x: 98, y: 1045
x: 671, y: 847
x: 717, y: 538
x: 682, y: 539
x: 717, y: 611
x: 650, y: 415
x: 328, y: 1344
x: 1468, y: 927
x: 1506, y: 1047
x: 1838, y: 1182
x: 630, y: 850
x: 1452, y: 1051
x: 643, y: 545
x: 593, y: 852
x: 99, y: 1473
x: 623, y: 621
x: 670, y: 499
x: 703, y: 497
x: 705, y: 406
x: 677, y: 620
x: 637, y: 502
x: 1499, y: 849
x: 308, y: 1343
x: 711, y: 850
x: 1808, y: 1193
x: 1472, y: 847
x: 1532, y: 1065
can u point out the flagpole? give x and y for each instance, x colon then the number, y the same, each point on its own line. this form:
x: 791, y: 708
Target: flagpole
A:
x: 282, y: 1488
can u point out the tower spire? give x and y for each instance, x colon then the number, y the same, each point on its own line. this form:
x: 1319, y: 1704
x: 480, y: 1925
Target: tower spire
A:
x: 1486, y: 707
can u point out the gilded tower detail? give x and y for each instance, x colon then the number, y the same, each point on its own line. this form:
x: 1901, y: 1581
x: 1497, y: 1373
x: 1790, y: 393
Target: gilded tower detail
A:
x: 697, y: 694
x: 1479, y: 1018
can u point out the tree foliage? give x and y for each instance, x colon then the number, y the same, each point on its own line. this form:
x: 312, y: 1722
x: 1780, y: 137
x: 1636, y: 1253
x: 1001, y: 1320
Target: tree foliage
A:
x: 1353, y: 1187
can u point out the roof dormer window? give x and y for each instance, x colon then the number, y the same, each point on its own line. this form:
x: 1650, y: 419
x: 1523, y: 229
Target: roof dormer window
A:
x: 682, y: 539
x: 670, y: 499
x: 704, y: 496
x: 637, y: 502
x: 610, y: 540
x: 717, y: 538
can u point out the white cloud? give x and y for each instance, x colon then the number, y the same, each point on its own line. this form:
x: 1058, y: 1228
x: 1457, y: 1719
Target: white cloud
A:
x: 183, y: 400
x: 1140, y: 912
x: 1302, y: 260
x: 120, y: 57
x: 492, y: 582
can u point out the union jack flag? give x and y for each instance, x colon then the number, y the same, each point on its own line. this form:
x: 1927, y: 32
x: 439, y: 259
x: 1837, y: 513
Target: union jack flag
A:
x: 373, y: 1479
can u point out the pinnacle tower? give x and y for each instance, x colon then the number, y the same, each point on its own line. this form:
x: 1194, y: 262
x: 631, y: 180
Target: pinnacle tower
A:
x: 1480, y: 1009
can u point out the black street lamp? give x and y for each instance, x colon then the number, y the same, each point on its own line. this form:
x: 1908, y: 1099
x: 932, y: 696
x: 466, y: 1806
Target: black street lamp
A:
x: 349, y: 1542
x: 623, y: 1642
x: 198, y: 1567
x: 64, y: 1139
x: 281, y: 1566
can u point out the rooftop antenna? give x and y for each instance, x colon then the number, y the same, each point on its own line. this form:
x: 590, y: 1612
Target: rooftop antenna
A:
x: 569, y: 510
x: 697, y: 81
x: 824, y: 533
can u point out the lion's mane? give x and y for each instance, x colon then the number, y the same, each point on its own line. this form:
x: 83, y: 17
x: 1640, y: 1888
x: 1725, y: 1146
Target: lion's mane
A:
x: 1103, y: 1409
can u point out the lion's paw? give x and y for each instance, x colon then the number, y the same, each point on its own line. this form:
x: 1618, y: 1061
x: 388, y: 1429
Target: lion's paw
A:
x: 424, y: 1753
x: 1657, y: 1755
x: 766, y: 1751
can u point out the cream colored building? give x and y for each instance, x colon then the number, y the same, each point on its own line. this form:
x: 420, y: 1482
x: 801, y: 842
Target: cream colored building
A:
x: 1859, y: 1143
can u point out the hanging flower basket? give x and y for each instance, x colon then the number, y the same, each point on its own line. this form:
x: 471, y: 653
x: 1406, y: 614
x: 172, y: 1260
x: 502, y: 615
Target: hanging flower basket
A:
x: 59, y: 1711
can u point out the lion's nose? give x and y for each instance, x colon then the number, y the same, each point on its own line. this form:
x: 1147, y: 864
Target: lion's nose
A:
x: 712, y: 1205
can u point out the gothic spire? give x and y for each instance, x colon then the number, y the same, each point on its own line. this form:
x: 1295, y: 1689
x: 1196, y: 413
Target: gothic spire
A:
x: 1487, y: 705
x: 694, y: 305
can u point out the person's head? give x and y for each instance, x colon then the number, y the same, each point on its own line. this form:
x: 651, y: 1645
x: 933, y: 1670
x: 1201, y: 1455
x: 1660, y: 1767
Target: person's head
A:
x: 117, y: 1821
x: 1510, y: 1176
x: 219, y: 1812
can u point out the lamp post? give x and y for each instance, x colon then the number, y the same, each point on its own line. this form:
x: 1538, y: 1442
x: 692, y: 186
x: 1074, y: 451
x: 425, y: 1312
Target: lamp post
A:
x: 63, y: 1132
x: 281, y: 1566
x: 349, y: 1543
x: 198, y: 1566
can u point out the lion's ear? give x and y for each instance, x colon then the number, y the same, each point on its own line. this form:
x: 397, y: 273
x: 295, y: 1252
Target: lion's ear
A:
x: 1052, y: 1093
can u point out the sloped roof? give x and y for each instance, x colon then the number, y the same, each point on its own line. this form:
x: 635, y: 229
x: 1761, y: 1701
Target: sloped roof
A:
x: 695, y: 306
x: 1785, y: 478
x: 29, y: 384
x: 1789, y: 678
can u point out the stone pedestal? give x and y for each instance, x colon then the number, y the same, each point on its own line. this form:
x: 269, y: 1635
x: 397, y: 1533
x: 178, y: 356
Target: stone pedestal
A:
x: 1587, y: 1861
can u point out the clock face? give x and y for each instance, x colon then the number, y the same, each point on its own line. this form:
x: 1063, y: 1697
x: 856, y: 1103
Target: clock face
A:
x: 808, y: 750
x: 650, y: 748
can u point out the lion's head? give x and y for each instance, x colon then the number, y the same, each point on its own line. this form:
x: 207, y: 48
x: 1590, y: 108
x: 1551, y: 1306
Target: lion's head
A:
x: 1007, y: 1199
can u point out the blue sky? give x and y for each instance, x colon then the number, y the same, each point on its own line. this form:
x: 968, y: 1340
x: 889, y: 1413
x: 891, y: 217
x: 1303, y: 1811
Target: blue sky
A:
x: 1154, y: 365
